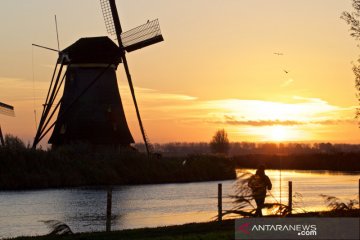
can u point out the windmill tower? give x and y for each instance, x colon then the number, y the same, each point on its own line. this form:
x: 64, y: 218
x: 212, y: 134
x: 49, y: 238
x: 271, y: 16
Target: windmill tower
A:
x: 90, y: 109
x: 8, y: 110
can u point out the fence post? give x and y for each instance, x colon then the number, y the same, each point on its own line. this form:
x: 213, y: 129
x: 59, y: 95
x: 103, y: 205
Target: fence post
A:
x: 290, y: 197
x: 108, y: 209
x: 219, y: 202
x: 359, y: 193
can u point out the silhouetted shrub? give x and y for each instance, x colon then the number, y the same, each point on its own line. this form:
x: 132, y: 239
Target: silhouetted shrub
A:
x: 14, y: 142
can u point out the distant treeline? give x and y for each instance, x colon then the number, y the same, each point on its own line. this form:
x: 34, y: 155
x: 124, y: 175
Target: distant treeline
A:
x: 82, y: 165
x: 316, y: 161
x: 246, y: 148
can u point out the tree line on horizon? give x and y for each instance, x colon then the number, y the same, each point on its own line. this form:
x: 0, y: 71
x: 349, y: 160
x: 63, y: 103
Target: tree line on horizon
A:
x: 220, y: 144
x: 246, y: 148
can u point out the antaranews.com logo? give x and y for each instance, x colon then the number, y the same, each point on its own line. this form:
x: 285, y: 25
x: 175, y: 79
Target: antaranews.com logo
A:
x: 301, y: 230
x: 297, y: 228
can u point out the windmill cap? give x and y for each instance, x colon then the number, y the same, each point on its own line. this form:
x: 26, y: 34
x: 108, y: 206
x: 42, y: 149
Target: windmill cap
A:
x: 92, y: 50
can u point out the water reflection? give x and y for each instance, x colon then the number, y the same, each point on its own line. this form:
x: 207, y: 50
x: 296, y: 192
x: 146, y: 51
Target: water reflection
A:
x: 308, y: 185
x: 84, y: 209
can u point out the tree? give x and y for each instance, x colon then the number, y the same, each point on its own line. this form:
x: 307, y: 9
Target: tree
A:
x: 353, y: 19
x: 220, y: 142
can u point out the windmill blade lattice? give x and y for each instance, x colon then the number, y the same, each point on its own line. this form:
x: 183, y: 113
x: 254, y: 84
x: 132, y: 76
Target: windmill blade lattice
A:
x: 6, y: 109
x: 108, y: 18
x: 134, y: 39
x: 142, y: 36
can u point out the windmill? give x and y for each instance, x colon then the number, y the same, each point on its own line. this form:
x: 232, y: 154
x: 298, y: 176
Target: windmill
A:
x: 8, y: 110
x: 90, y: 108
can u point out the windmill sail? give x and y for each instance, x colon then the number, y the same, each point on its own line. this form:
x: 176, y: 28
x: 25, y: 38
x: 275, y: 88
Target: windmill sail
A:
x: 142, y: 36
x: 6, y: 109
x: 139, y: 37
x: 134, y: 39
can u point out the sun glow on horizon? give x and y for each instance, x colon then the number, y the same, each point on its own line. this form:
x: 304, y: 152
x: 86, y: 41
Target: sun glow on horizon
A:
x: 291, y: 120
x: 279, y: 133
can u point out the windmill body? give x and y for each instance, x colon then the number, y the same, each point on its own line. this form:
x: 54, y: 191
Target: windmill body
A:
x: 90, y: 109
x: 98, y: 116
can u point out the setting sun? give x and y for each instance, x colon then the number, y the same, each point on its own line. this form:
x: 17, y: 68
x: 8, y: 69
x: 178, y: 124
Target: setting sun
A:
x: 278, y: 133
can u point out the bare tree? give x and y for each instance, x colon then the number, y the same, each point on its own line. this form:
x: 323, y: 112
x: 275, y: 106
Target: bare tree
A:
x: 220, y: 142
x: 353, y: 19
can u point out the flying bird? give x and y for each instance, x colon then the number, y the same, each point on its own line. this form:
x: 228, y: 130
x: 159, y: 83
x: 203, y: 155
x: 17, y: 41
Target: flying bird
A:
x: 278, y: 53
x: 286, y: 71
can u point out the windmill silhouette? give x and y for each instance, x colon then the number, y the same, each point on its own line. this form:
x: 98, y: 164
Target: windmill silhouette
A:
x: 8, y: 110
x: 90, y: 109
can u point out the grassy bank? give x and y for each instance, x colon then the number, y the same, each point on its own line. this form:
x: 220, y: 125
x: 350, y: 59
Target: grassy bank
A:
x: 192, y: 231
x: 24, y: 168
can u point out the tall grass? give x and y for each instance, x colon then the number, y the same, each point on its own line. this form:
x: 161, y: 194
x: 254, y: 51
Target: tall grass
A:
x: 244, y: 200
x: 335, y: 204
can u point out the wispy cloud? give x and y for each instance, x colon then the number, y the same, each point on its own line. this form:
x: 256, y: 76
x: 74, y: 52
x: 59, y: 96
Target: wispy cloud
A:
x: 287, y: 82
x: 259, y: 123
x: 229, y: 120
x: 18, y: 89
x: 156, y: 95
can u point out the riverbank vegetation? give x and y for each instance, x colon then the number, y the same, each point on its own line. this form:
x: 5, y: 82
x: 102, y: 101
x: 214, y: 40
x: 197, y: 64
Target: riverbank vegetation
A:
x: 82, y: 165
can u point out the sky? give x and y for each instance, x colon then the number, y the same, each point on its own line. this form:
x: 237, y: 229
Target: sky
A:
x: 215, y: 70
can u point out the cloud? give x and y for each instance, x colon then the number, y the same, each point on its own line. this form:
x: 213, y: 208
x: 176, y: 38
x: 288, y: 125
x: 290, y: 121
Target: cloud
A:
x: 154, y: 95
x: 18, y: 89
x: 229, y: 120
x: 260, y: 123
x: 157, y: 95
x: 287, y: 82
x: 335, y: 122
x: 298, y: 111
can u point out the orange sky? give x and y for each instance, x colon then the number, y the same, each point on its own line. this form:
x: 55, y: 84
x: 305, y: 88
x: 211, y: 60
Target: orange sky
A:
x: 215, y: 69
